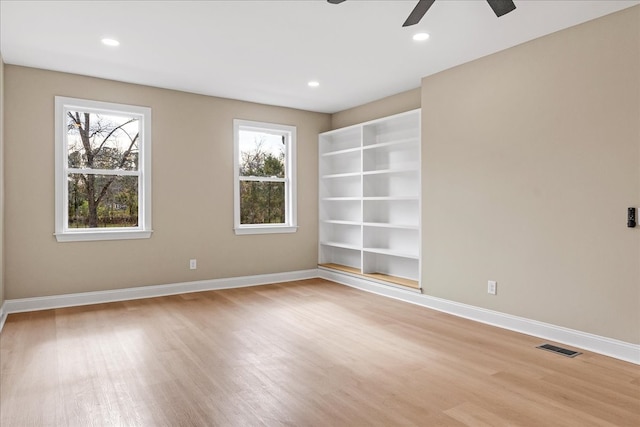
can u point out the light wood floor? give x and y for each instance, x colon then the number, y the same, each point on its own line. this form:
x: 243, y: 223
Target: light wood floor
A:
x: 308, y: 353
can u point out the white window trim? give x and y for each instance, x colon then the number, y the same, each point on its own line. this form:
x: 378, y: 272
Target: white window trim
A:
x: 291, y: 226
x: 62, y: 232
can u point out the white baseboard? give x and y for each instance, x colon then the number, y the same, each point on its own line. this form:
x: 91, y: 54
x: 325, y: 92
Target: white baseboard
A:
x: 595, y: 343
x: 99, y: 297
x: 3, y: 315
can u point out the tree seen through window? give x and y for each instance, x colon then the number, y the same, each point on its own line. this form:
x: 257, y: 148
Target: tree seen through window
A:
x: 262, y: 178
x: 103, y: 156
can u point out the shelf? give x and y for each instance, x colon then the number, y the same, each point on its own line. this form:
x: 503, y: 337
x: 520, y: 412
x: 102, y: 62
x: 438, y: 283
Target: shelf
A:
x: 389, y: 225
x: 414, y: 284
x: 341, y: 245
x: 390, y: 171
x: 341, y: 199
x: 338, y: 152
x: 413, y: 140
x: 341, y: 222
x: 341, y: 175
x: 340, y: 267
x: 390, y: 252
x: 391, y: 198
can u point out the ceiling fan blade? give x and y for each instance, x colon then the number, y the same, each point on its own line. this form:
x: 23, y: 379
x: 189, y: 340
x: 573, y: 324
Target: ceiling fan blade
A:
x: 501, y: 7
x: 418, y: 12
x: 335, y: 1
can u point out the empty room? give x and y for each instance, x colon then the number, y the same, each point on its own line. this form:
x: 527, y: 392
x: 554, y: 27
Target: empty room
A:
x: 320, y: 213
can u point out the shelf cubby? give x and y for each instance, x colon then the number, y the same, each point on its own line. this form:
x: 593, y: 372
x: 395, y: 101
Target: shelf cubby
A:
x: 392, y: 129
x: 400, y: 241
x: 341, y: 256
x: 394, y: 157
x: 341, y: 186
x: 348, y: 163
x: 340, y: 142
x: 341, y: 233
x: 401, y: 212
x: 389, y: 265
x: 391, y: 184
x: 341, y: 210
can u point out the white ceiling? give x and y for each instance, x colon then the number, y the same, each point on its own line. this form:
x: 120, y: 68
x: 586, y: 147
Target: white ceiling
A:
x: 266, y: 51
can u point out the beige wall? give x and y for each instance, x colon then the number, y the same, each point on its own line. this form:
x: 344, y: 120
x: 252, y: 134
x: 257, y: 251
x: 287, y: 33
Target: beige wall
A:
x: 1, y: 181
x: 192, y: 192
x: 405, y: 101
x: 531, y: 157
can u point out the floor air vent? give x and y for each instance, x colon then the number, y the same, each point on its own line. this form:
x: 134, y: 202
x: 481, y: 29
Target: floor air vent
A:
x: 559, y: 350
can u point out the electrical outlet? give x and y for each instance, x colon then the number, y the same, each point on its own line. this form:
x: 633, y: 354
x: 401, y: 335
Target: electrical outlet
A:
x: 492, y: 287
x: 193, y: 264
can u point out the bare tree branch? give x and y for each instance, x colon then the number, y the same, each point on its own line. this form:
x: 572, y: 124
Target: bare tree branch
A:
x: 126, y: 154
x: 111, y: 133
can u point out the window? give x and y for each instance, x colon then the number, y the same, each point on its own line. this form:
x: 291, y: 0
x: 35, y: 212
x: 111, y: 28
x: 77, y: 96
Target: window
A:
x: 103, y: 170
x: 264, y: 170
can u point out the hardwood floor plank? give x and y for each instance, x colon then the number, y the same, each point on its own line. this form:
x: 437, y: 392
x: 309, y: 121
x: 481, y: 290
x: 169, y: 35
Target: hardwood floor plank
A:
x: 471, y: 414
x: 305, y: 353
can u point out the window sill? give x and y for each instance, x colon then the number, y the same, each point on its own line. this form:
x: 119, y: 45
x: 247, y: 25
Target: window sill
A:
x: 265, y: 229
x: 88, y: 236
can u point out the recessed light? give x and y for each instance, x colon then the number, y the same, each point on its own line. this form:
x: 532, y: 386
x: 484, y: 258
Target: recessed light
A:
x: 313, y: 83
x: 420, y: 37
x: 110, y: 42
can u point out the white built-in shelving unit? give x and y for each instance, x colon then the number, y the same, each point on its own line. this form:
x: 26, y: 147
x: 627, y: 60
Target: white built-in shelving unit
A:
x: 370, y: 200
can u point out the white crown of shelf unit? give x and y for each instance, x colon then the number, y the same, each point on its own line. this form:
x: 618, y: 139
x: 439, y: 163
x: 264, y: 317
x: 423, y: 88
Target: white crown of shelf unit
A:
x: 370, y: 199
